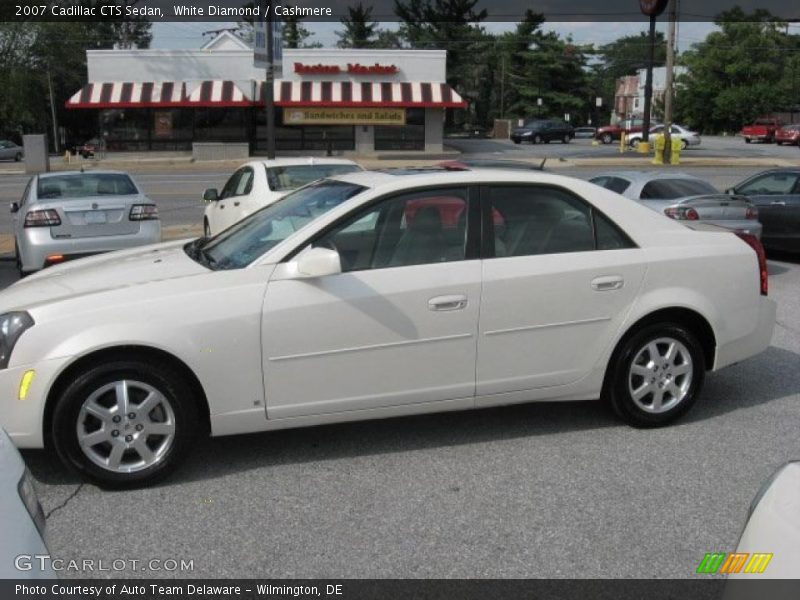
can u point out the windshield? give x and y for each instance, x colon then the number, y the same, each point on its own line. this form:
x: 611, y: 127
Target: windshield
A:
x: 84, y: 185
x: 250, y: 238
x: 534, y: 124
x: 670, y: 189
x: 292, y: 177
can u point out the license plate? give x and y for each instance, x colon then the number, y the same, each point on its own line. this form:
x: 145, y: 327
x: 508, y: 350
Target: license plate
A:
x: 94, y: 217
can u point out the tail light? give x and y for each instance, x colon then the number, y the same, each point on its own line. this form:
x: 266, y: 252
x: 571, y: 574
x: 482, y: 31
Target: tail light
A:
x: 753, y: 242
x: 42, y: 218
x: 143, y: 212
x: 680, y: 213
x: 751, y: 213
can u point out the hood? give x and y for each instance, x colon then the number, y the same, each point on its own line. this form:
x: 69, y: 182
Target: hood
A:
x: 101, y: 273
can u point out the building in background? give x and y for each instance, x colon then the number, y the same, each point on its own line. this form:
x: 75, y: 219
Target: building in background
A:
x: 629, y: 95
x: 360, y: 101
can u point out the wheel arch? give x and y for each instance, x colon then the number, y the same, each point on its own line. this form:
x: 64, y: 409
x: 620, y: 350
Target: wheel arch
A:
x: 689, y: 318
x: 126, y: 352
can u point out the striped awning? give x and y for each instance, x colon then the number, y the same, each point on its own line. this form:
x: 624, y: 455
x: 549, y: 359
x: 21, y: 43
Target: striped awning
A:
x: 366, y: 94
x: 217, y: 94
x: 120, y: 94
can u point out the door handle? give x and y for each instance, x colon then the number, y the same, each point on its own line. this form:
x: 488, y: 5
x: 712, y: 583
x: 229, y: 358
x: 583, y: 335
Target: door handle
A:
x: 607, y: 283
x: 221, y: 206
x: 236, y: 204
x: 778, y: 203
x: 442, y: 303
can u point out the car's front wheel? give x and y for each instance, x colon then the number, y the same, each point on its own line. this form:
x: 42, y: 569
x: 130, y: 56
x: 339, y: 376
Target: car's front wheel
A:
x: 537, y: 139
x: 656, y: 375
x: 125, y: 423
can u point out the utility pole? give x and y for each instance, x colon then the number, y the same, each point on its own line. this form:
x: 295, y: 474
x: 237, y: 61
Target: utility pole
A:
x: 269, y: 85
x: 673, y: 17
x: 53, y: 110
x: 502, y: 86
x: 648, y: 86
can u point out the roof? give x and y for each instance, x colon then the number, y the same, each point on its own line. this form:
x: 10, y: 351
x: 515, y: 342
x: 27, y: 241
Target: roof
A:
x: 303, y: 160
x: 641, y: 176
x: 92, y: 172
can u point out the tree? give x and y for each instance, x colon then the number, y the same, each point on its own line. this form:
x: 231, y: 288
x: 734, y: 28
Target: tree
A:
x: 738, y: 73
x: 359, y: 29
x: 295, y: 34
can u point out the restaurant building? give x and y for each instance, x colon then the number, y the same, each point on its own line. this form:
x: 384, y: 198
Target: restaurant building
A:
x: 362, y: 101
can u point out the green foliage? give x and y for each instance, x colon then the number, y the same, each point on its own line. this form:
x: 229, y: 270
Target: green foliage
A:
x: 359, y: 29
x: 747, y: 69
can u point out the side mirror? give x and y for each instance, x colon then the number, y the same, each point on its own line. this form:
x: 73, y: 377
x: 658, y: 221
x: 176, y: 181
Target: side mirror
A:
x: 211, y: 195
x: 14, y: 207
x: 318, y: 262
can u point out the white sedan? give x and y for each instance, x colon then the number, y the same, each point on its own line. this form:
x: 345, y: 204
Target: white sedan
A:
x: 260, y: 183
x: 687, y: 137
x: 372, y: 295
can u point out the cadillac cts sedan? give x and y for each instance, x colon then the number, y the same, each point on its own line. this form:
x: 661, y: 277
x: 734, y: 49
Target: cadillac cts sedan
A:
x: 371, y: 295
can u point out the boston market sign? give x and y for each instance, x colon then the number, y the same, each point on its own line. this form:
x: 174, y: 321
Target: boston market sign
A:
x: 354, y: 68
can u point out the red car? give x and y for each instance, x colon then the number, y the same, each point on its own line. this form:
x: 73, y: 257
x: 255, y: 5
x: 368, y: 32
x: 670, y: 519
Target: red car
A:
x: 763, y: 130
x: 788, y: 134
x: 88, y: 149
x: 611, y: 133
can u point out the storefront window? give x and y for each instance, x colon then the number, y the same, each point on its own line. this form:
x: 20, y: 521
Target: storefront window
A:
x: 306, y: 137
x: 220, y: 125
x: 410, y: 136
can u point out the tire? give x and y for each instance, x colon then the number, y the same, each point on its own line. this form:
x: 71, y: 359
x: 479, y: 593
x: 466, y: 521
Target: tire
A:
x: 18, y: 157
x: 97, y: 391
x: 684, y: 144
x: 779, y: 143
x: 635, y: 143
x: 516, y: 141
x: 607, y: 138
x: 631, y: 366
x: 566, y: 139
x: 206, y: 228
x: 537, y: 139
x: 18, y: 261
x: 747, y: 140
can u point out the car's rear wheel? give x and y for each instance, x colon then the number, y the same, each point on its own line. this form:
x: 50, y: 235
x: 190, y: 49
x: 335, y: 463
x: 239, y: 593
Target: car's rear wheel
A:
x: 656, y: 375
x: 607, y: 138
x: 746, y: 140
x: 635, y: 142
x: 566, y: 139
x: 18, y: 157
x: 684, y: 144
x: 125, y: 423
x: 18, y: 261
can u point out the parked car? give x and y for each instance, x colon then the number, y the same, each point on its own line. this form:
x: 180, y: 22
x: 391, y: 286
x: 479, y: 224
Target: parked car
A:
x: 260, y: 183
x: 770, y: 542
x: 11, y: 151
x: 684, y: 198
x: 538, y: 131
x: 332, y: 305
x: 612, y: 133
x: 69, y: 214
x: 762, y: 130
x: 21, y: 518
x: 585, y: 132
x: 788, y: 134
x: 89, y: 148
x: 687, y: 137
x: 776, y: 194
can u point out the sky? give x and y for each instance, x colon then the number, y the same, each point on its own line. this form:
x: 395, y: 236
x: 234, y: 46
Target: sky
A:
x: 189, y: 35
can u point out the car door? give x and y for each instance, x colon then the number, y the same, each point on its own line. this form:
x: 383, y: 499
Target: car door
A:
x: 396, y: 327
x: 558, y: 280
x: 222, y: 213
x: 777, y: 197
x: 6, y: 151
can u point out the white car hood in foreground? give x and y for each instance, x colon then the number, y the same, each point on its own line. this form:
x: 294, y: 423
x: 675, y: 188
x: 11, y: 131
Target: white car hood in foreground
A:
x: 101, y: 273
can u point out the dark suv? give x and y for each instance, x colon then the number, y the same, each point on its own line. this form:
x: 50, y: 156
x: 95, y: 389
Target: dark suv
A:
x: 543, y: 130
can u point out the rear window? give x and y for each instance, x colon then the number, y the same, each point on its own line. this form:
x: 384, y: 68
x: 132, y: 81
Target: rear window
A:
x: 282, y: 179
x: 669, y: 189
x: 85, y: 185
x: 615, y: 184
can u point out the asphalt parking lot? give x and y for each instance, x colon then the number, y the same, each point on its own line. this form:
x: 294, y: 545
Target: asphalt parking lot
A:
x: 541, y: 490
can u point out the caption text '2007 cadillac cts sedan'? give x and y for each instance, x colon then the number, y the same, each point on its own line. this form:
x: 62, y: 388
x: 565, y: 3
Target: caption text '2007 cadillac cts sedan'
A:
x: 371, y: 295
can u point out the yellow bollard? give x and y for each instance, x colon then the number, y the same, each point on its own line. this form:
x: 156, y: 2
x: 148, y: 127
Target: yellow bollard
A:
x: 623, y: 141
x: 643, y: 148
x: 67, y: 157
x: 658, y: 157
x: 675, y: 156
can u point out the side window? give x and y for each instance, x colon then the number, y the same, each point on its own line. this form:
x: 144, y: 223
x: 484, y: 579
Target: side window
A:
x: 773, y: 184
x: 608, y: 235
x: 615, y: 184
x: 415, y: 228
x: 230, y: 186
x: 245, y: 183
x: 539, y: 220
x: 26, y: 192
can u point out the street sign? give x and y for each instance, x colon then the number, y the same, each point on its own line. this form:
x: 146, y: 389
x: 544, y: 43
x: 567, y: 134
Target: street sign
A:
x: 653, y: 8
x: 260, y: 46
x: 598, y: 102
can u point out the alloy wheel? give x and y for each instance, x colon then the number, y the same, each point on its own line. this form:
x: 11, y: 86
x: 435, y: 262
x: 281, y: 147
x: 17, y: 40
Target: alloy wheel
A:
x: 660, y: 375
x: 126, y: 426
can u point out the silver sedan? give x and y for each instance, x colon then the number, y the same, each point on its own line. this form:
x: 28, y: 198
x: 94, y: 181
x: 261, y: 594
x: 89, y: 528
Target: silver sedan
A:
x: 11, y: 151
x: 684, y: 197
x: 22, y: 520
x: 68, y: 215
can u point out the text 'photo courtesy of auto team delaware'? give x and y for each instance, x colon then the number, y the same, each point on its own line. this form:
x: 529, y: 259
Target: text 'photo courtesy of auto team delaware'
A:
x: 404, y: 298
